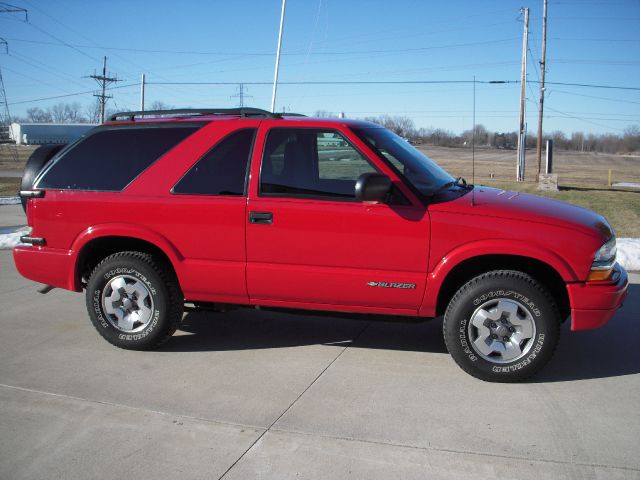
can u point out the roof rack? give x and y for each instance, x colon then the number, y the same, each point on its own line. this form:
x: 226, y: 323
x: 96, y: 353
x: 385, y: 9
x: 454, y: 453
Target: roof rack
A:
x: 194, y: 112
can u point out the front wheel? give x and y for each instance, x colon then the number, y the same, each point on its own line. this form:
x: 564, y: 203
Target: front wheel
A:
x: 134, y: 302
x: 502, y: 326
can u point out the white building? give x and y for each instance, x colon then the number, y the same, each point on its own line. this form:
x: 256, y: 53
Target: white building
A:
x: 41, y: 133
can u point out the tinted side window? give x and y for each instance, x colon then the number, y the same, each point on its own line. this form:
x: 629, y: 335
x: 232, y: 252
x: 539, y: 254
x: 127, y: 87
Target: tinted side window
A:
x: 109, y: 160
x: 223, y: 169
x: 339, y: 160
x: 309, y: 162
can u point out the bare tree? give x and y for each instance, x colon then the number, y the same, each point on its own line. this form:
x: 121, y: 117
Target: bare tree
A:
x: 160, y: 105
x: 324, y: 114
x: 37, y: 115
x: 92, y: 112
x: 631, y: 139
x: 403, y: 126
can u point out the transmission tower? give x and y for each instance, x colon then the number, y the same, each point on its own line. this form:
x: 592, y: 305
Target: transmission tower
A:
x: 8, y: 144
x: 7, y: 8
x: 103, y: 81
x: 241, y: 95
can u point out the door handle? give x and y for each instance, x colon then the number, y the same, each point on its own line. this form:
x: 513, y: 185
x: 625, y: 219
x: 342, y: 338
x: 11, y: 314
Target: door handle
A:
x: 261, y: 217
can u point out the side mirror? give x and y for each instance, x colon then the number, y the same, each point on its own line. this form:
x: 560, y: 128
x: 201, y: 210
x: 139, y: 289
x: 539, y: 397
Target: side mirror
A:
x: 372, y: 187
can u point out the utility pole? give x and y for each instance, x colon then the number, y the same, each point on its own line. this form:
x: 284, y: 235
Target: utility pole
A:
x: 275, y: 75
x: 522, y: 144
x: 241, y: 95
x: 142, y: 93
x: 543, y: 68
x: 103, y: 81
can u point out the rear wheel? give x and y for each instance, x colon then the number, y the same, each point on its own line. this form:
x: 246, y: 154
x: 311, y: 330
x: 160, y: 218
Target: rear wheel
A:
x: 502, y: 326
x: 134, y: 301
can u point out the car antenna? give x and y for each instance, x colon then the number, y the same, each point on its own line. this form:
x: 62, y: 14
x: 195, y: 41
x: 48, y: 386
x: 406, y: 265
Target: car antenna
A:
x: 473, y: 147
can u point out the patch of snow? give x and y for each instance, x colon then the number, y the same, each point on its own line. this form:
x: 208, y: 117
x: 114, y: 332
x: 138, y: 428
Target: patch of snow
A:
x: 626, y: 184
x: 10, y: 240
x: 9, y: 200
x: 629, y: 253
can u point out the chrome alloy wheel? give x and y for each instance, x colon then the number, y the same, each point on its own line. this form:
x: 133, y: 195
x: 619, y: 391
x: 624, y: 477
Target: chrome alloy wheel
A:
x: 127, y: 303
x: 502, y: 330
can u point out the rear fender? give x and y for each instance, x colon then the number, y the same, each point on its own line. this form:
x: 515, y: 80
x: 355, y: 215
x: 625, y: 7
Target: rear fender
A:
x: 121, y: 230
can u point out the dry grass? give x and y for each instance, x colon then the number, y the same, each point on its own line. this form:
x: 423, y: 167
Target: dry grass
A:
x: 7, y: 160
x: 573, y: 168
x: 582, y: 178
x: 9, y: 186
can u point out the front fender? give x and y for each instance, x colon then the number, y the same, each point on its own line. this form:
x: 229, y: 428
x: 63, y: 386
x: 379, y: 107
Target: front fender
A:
x: 470, y: 250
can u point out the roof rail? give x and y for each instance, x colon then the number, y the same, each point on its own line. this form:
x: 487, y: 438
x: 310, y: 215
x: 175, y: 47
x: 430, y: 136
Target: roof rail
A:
x: 194, y: 112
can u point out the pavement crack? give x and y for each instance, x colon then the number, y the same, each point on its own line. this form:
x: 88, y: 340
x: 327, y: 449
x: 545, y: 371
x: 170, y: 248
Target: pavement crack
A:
x: 129, y: 407
x: 456, y: 451
x: 344, y: 349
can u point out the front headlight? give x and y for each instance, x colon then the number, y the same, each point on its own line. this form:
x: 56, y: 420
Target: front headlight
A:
x: 606, y: 255
x: 603, y: 262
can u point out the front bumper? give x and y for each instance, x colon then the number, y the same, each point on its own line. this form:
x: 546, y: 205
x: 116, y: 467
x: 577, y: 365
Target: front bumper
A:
x: 593, y: 304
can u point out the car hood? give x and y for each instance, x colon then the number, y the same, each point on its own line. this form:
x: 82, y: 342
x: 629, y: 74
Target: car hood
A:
x: 492, y: 202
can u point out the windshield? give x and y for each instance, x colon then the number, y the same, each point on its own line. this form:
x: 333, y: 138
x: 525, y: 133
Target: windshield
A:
x: 424, y: 174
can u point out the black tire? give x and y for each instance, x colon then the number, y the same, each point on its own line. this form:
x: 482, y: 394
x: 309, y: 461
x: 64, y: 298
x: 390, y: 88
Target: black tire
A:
x: 34, y: 166
x: 490, y: 293
x: 162, y: 297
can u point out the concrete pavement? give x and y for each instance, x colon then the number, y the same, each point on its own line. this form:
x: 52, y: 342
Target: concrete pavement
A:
x: 252, y: 394
x: 11, y: 217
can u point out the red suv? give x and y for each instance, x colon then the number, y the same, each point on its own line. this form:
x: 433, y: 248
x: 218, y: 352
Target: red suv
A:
x: 242, y: 207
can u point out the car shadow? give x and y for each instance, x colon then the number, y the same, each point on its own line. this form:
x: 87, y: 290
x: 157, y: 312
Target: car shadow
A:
x: 248, y: 329
x: 609, y: 351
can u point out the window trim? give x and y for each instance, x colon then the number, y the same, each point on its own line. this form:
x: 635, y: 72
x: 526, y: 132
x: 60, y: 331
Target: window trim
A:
x: 195, y: 126
x: 304, y: 196
x: 246, y: 173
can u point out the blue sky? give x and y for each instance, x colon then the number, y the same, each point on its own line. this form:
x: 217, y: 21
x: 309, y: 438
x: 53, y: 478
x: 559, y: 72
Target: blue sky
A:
x: 589, y: 41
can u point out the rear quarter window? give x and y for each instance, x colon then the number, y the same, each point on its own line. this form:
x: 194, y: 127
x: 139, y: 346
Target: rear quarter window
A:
x: 110, y: 159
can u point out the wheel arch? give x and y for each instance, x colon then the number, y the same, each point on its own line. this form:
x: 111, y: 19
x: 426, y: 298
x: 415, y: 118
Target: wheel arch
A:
x: 469, y: 268
x: 95, y: 245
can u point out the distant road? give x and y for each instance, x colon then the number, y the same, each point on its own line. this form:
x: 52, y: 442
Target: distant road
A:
x: 11, y: 173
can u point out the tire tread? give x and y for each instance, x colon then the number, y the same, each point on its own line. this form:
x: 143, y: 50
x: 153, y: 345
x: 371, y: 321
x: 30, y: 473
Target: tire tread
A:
x: 514, y: 274
x: 176, y: 301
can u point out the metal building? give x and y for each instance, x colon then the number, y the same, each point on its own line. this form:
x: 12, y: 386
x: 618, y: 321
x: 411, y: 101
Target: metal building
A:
x: 41, y: 133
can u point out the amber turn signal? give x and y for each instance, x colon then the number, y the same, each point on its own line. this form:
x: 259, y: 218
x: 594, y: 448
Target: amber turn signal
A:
x: 599, y: 275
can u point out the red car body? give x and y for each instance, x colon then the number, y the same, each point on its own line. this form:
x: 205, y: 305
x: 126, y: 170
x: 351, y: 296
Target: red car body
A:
x: 320, y: 254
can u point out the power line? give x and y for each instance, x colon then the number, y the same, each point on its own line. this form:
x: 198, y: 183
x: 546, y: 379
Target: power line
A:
x: 596, y: 97
x: 585, y: 61
x: 583, y: 119
x: 75, y: 94
x: 344, y: 82
x: 264, y: 54
x: 62, y: 41
x: 596, y: 39
x: 41, y: 66
x: 397, y: 82
x: 587, y: 85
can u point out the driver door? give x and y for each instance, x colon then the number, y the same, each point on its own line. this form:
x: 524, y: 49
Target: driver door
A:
x: 311, y: 244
